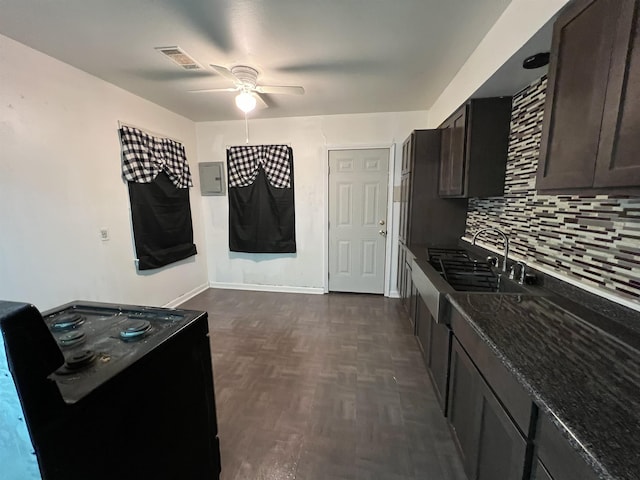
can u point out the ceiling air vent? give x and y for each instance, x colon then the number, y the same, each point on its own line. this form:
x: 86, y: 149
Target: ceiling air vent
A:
x: 178, y: 56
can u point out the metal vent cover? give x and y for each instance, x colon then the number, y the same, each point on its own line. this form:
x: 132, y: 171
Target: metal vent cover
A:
x: 179, y: 57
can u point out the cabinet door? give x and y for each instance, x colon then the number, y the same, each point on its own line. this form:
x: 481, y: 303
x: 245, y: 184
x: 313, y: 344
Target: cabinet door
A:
x: 502, y: 450
x: 618, y: 161
x: 464, y: 407
x: 445, y: 162
x: 423, y: 327
x: 402, y: 253
x: 407, y: 154
x: 583, y: 39
x: 409, y: 299
x: 438, y: 363
x: 559, y: 457
x: 452, y: 156
x: 405, y: 191
x: 491, y: 445
x: 539, y: 472
x: 458, y: 151
x: 413, y: 303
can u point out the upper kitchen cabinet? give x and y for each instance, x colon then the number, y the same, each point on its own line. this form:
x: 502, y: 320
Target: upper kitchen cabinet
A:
x: 473, y: 155
x: 424, y: 217
x: 590, y: 141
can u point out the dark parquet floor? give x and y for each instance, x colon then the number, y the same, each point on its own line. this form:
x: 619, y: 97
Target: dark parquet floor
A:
x: 314, y: 387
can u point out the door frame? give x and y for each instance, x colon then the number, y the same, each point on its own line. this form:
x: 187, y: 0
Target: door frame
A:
x: 390, y: 218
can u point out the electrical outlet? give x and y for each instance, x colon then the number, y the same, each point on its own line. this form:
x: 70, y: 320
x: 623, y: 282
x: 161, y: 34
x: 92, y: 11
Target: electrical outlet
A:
x: 104, y: 234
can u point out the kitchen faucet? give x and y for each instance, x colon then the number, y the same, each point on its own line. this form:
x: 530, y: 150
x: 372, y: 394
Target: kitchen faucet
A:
x: 505, y: 241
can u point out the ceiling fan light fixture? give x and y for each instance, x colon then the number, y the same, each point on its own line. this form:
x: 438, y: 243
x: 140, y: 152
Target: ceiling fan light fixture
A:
x: 245, y: 102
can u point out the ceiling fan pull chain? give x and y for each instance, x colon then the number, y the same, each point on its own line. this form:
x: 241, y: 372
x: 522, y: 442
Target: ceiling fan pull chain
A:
x: 246, y: 126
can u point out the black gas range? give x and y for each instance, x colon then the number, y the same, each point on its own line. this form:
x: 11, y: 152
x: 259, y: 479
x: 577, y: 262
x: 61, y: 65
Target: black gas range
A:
x: 99, y: 341
x: 115, y: 391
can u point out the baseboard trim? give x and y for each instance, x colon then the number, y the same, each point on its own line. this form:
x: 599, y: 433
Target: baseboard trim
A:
x: 267, y: 288
x: 183, y: 298
x: 394, y: 294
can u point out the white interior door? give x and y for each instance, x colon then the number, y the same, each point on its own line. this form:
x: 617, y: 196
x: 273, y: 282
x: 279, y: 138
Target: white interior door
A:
x: 358, y: 182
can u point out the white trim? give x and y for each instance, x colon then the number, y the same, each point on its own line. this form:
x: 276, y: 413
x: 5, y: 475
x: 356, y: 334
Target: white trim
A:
x: 394, y: 294
x: 563, y: 277
x: 267, y: 288
x: 325, y: 224
x: 388, y: 239
x: 184, y: 297
x: 390, y: 221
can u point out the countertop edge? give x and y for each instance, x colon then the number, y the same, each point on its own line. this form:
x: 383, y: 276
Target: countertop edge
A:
x: 538, y: 398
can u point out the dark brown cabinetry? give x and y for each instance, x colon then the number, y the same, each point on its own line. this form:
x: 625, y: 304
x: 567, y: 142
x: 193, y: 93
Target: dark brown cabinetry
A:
x: 405, y: 282
x: 433, y: 338
x: 555, y: 458
x: 490, y: 443
x: 423, y: 327
x: 438, y: 360
x: 452, y: 154
x: 489, y: 412
x: 592, y: 112
x: 425, y: 218
x: 473, y: 154
x: 539, y: 472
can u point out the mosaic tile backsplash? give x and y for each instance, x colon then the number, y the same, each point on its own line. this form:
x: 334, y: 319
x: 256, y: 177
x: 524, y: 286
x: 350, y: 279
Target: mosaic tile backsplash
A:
x: 593, y: 240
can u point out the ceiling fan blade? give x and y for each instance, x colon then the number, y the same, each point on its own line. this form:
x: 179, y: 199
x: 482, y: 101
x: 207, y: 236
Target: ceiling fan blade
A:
x: 280, y: 89
x: 225, y: 72
x: 261, y: 101
x: 208, y: 90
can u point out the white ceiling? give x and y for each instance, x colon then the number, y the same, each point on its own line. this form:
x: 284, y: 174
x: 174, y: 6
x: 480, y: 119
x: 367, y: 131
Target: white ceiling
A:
x: 351, y: 56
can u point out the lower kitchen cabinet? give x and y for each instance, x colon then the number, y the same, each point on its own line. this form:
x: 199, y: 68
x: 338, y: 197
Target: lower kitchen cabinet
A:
x: 555, y: 459
x: 405, y: 283
x: 434, y: 340
x: 438, y: 360
x: 423, y: 328
x: 539, y: 472
x: 491, y: 445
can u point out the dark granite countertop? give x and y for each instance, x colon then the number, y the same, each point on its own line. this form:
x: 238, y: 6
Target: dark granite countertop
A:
x: 576, y: 369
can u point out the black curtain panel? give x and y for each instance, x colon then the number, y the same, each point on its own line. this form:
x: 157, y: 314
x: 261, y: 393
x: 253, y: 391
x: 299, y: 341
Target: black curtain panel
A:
x: 158, y: 178
x: 261, y: 199
x: 162, y: 228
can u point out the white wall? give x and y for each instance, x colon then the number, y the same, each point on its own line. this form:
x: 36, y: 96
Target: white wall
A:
x: 517, y: 24
x: 310, y: 138
x: 60, y: 182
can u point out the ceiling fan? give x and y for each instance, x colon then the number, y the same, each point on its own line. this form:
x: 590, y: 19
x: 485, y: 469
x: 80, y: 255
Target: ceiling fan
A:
x: 245, y: 80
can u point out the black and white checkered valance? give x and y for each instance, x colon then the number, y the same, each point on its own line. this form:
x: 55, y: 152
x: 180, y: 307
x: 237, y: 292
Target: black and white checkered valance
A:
x: 145, y: 156
x: 244, y: 163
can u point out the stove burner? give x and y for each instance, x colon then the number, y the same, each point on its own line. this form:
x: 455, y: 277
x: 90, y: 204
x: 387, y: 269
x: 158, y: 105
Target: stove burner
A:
x: 135, y: 330
x: 68, y: 321
x: 72, y: 338
x: 79, y: 360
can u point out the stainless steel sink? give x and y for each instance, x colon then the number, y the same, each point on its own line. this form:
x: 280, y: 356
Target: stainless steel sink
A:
x: 452, y: 270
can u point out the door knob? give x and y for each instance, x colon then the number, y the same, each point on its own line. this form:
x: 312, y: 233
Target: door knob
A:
x: 383, y: 233
x: 381, y: 222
